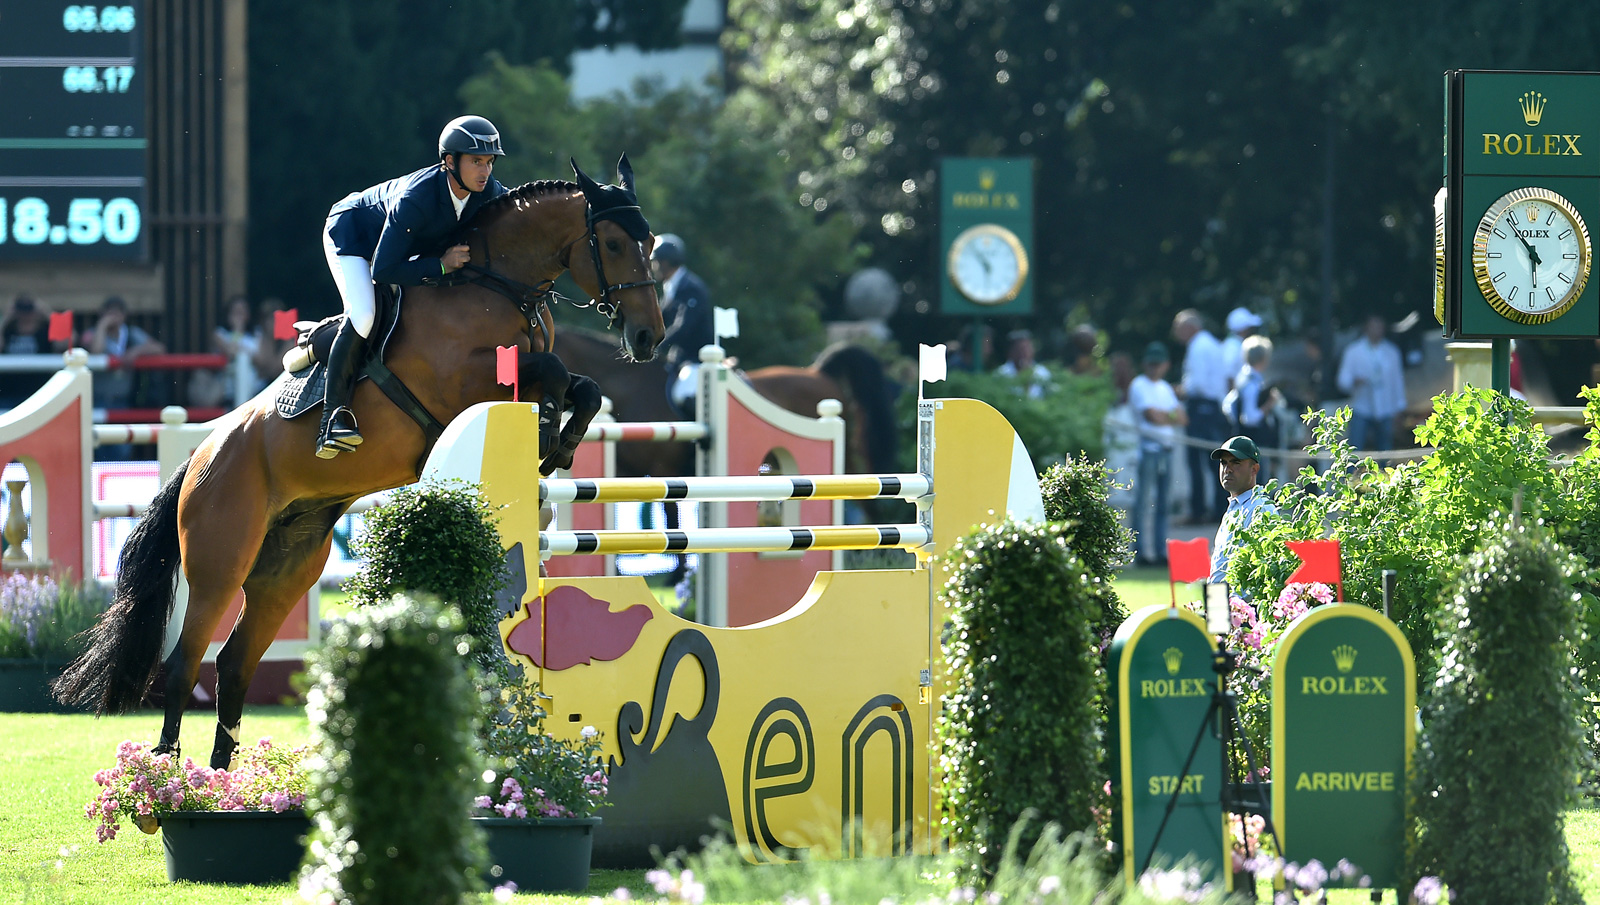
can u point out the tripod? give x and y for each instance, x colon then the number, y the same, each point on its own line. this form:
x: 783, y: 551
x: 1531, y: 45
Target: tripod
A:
x: 1242, y: 798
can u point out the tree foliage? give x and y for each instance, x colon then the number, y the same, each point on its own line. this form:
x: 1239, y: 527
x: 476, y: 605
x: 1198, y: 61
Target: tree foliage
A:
x: 704, y: 173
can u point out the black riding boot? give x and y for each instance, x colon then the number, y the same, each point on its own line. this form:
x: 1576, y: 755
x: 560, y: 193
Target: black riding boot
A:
x: 339, y: 433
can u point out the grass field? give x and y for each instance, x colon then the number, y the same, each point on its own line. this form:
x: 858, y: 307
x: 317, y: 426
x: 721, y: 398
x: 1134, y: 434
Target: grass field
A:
x: 48, y: 853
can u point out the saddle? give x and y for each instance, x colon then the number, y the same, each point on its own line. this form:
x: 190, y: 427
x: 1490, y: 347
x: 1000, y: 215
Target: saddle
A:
x: 306, y: 365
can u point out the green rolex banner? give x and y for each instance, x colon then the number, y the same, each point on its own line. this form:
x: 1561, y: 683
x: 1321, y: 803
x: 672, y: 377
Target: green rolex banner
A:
x: 1343, y: 726
x: 1162, y: 679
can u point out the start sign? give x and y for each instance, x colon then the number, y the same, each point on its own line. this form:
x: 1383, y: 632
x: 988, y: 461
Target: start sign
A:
x: 1343, y: 726
x: 1161, y: 664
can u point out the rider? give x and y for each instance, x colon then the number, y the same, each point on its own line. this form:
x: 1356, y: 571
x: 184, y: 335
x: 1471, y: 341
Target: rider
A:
x: 387, y: 233
x: 686, y: 309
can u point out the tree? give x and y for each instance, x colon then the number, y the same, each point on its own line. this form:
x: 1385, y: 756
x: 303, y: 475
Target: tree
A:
x: 704, y: 173
x: 345, y: 95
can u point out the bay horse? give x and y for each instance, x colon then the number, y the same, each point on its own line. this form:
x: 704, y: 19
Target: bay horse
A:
x: 845, y: 372
x: 254, y: 508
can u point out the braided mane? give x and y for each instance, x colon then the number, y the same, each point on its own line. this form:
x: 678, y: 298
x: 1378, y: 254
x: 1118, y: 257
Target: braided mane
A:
x: 497, y: 208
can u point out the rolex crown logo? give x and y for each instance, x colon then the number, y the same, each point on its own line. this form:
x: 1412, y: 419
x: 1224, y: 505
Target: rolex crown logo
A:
x: 1174, y: 658
x: 986, y: 179
x: 1344, y: 657
x: 1532, y: 104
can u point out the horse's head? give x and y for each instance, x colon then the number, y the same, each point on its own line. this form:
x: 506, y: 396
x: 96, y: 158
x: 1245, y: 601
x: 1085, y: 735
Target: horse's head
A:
x: 616, y: 271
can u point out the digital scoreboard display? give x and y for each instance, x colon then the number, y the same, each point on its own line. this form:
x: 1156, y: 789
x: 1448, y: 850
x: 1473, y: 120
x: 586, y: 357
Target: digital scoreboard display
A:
x: 72, y: 132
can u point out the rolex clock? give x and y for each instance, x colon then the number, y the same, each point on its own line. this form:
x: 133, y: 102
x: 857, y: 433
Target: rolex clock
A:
x: 1531, y: 255
x: 988, y: 264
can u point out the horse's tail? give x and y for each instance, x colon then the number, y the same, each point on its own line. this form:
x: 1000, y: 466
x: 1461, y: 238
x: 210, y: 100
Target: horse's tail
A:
x: 861, y: 371
x: 116, y: 669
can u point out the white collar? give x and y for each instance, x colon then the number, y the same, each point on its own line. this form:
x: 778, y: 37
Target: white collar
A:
x: 669, y: 286
x: 460, y: 203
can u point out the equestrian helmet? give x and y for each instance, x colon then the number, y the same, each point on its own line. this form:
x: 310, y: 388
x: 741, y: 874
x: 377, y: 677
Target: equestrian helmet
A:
x: 668, y: 250
x: 469, y: 135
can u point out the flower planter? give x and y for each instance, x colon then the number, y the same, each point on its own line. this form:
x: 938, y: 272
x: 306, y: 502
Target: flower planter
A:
x: 540, y: 855
x: 25, y: 687
x: 257, y: 847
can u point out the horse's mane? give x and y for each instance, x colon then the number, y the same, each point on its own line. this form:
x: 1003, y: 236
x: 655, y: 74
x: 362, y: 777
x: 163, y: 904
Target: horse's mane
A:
x: 497, y: 208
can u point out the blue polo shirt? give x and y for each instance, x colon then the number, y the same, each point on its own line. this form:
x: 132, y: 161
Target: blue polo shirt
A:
x: 1242, y: 513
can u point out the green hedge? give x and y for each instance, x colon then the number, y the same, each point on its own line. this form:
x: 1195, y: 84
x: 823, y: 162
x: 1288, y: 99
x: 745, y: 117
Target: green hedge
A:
x: 396, y: 769
x: 1064, y: 421
x: 1019, y: 726
x: 1499, y: 759
x: 1077, y: 491
x: 437, y: 538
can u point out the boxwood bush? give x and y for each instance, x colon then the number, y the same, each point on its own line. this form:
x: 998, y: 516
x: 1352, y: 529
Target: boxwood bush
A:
x: 1019, y: 724
x: 1499, y: 758
x: 1077, y: 491
x: 437, y: 538
x: 396, y: 766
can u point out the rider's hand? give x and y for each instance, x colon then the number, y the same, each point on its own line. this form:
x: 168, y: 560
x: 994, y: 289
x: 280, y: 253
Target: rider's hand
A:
x: 455, y: 258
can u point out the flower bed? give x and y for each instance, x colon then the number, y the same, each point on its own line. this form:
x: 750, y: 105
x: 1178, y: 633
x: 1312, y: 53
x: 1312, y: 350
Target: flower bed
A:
x: 144, y: 786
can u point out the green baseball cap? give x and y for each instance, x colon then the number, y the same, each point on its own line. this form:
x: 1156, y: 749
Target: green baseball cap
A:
x: 1240, y: 447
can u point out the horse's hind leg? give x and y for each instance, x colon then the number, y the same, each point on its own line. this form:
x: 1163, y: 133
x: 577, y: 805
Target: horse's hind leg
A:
x: 291, y: 561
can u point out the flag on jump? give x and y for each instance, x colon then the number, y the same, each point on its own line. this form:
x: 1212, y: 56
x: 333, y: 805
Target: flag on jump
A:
x: 283, y: 323
x: 1319, y: 563
x: 726, y: 323
x: 505, y: 368
x: 930, y: 363
x: 60, y: 326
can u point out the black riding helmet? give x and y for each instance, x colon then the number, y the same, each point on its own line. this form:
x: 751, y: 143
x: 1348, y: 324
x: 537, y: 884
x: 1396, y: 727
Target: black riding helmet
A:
x: 468, y: 135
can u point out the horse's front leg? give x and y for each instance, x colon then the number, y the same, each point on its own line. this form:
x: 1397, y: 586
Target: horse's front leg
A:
x: 546, y: 379
x: 583, y: 398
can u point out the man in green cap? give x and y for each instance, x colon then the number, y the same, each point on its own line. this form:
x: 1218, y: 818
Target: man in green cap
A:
x: 1238, y: 464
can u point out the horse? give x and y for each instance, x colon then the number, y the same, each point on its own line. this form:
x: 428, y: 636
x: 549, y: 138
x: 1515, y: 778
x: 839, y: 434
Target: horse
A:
x: 253, y: 508
x: 845, y: 372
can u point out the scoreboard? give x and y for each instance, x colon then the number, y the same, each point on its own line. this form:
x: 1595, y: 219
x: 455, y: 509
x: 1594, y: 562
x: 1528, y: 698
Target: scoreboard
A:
x: 72, y: 132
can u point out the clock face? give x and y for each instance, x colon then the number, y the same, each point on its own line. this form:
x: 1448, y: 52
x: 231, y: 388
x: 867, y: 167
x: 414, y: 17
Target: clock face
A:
x: 988, y: 264
x: 1531, y: 255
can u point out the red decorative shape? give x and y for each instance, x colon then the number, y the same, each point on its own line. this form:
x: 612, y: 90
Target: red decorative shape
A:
x: 1320, y: 561
x: 1189, y: 560
x: 60, y: 326
x: 505, y: 368
x: 576, y: 628
x: 283, y: 323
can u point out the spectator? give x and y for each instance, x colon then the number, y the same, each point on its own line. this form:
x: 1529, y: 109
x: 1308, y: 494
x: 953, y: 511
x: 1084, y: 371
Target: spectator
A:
x: 686, y: 309
x: 236, y: 336
x: 1085, y: 343
x: 972, y: 349
x: 1021, y: 366
x: 1238, y: 462
x: 1242, y: 324
x: 1370, y: 372
x: 112, y: 335
x: 1120, y: 433
x: 1251, y: 406
x: 1160, y: 415
x: 1205, y: 383
x: 25, y: 331
x: 270, y: 350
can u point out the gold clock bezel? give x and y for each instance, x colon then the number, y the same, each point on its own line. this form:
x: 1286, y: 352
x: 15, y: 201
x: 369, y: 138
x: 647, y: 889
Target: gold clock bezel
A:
x: 965, y: 237
x: 1480, y: 254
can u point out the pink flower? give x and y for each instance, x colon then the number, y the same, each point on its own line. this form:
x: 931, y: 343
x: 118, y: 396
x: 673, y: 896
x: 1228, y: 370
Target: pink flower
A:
x: 483, y: 801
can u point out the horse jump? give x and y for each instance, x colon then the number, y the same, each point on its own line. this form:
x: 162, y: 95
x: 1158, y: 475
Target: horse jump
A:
x: 808, y: 730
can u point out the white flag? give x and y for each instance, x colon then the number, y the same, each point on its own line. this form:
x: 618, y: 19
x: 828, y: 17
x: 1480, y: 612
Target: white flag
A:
x: 930, y: 363
x: 727, y: 322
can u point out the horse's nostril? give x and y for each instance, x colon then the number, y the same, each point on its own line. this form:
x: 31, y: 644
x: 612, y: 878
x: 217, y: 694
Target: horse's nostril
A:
x: 642, y: 341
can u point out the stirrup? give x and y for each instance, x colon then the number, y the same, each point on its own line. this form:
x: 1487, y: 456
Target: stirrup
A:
x: 337, y: 438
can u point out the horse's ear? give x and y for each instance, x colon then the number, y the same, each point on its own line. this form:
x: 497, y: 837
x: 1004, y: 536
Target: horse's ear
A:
x: 584, y: 182
x: 625, y: 173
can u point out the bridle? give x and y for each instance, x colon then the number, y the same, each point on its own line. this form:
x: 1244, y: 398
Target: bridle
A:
x: 534, y: 300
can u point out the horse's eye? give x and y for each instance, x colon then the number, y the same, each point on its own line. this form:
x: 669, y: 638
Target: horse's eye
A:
x: 612, y: 246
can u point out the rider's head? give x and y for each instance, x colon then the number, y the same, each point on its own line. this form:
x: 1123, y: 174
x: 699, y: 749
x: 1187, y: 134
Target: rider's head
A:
x: 467, y: 147
x: 667, y: 257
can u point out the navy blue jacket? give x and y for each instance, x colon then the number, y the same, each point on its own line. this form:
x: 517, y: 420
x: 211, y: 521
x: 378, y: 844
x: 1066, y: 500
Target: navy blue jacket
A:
x: 393, y: 220
x: 689, y: 320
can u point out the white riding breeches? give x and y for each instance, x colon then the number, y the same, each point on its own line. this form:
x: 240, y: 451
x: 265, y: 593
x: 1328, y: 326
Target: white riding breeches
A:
x: 686, y: 384
x: 353, y: 276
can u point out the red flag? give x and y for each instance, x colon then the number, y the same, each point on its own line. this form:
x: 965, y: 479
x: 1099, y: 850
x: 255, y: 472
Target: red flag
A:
x: 1320, y: 561
x: 1189, y: 560
x: 60, y: 326
x: 505, y: 368
x: 283, y: 324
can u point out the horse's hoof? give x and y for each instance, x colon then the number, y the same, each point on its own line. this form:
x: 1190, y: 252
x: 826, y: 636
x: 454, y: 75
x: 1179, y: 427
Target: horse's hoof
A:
x: 164, y: 748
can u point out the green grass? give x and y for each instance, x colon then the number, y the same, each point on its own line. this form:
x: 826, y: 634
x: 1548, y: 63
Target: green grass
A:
x: 1141, y: 586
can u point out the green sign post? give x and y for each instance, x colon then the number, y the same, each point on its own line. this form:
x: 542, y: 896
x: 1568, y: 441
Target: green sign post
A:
x: 1343, y: 726
x: 1521, y: 200
x: 1161, y: 664
x: 986, y: 236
